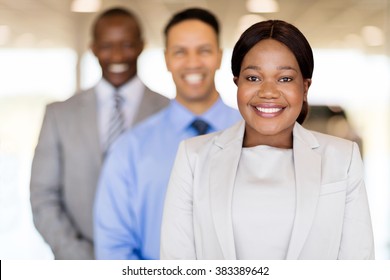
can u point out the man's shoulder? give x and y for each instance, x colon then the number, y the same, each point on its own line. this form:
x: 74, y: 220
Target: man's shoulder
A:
x: 145, y: 128
x: 152, y: 123
x: 231, y: 112
x: 155, y: 95
x: 141, y: 137
x: 154, y: 100
x: 73, y: 101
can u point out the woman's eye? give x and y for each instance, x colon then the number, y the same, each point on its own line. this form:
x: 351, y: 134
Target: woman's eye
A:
x: 253, y: 79
x: 285, y: 79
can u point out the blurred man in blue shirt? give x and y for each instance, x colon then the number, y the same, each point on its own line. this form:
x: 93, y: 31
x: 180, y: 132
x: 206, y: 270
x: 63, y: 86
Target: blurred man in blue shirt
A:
x: 130, y: 198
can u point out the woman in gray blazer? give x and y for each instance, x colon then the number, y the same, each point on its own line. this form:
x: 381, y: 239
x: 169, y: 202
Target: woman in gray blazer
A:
x: 267, y: 188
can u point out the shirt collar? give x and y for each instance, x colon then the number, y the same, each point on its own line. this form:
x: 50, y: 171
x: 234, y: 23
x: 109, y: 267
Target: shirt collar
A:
x: 181, y: 117
x: 128, y: 91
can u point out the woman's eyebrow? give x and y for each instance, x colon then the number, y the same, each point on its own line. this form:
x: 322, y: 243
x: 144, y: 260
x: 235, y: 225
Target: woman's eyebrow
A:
x: 254, y: 67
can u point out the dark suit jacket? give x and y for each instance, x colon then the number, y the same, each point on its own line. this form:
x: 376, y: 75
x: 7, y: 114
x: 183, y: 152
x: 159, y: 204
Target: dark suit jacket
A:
x: 66, y: 168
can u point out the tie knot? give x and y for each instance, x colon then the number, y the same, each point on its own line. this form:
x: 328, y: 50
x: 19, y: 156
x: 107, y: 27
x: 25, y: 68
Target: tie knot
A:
x: 200, y: 126
x: 118, y: 100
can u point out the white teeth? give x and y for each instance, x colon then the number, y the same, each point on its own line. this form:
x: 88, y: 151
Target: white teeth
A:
x: 118, y: 68
x: 193, y: 78
x: 268, y: 110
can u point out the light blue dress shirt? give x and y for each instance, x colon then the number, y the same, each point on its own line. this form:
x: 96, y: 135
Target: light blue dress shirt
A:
x: 131, y: 191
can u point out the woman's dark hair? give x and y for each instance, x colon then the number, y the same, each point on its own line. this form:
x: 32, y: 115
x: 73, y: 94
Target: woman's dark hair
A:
x: 286, y: 34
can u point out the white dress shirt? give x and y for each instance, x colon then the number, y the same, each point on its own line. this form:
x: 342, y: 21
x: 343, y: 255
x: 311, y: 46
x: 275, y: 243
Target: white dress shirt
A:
x: 131, y: 92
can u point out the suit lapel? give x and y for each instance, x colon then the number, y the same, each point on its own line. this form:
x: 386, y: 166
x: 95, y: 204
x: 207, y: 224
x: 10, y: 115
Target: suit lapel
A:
x: 144, y: 109
x: 308, y: 182
x: 87, y: 116
x: 151, y: 103
x: 223, y: 168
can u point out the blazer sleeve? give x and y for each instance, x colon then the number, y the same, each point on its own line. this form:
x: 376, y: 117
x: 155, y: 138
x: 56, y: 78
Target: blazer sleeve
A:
x: 46, y: 195
x: 177, y: 233
x: 357, y: 215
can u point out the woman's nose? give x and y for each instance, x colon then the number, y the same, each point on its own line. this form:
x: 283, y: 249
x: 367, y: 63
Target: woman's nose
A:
x: 268, y: 90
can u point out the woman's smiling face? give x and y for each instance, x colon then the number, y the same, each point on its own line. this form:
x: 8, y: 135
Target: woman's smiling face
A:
x: 271, y: 91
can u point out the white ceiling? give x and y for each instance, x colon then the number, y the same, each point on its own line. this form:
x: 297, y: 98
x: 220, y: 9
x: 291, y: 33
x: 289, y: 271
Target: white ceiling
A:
x: 326, y: 23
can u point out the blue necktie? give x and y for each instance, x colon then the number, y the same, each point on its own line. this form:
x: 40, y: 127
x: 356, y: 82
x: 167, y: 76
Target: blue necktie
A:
x: 200, y: 126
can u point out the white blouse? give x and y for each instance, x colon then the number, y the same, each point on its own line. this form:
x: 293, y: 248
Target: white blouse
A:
x: 263, y: 207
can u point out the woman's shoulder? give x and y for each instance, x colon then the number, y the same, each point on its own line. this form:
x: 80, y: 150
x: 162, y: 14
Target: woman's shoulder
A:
x: 324, y: 143
x: 215, y: 140
x: 315, y: 138
x: 201, y: 142
x: 331, y: 139
x: 335, y: 147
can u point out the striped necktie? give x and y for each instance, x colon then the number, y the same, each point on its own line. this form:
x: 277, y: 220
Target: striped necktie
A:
x: 200, y: 126
x: 116, y: 125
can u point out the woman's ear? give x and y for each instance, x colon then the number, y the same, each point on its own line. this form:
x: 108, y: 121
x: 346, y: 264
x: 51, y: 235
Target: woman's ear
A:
x: 235, y: 80
x: 307, y: 83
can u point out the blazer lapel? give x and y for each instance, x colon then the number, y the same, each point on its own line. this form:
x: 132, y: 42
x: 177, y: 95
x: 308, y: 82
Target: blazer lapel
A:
x: 308, y: 183
x: 88, y: 128
x: 223, y: 169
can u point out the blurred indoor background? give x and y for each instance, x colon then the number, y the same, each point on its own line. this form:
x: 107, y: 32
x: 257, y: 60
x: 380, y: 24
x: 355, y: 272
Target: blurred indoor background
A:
x: 44, y: 57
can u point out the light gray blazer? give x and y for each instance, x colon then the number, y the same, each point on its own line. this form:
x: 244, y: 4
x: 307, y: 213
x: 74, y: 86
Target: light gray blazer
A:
x: 332, y: 219
x: 66, y: 168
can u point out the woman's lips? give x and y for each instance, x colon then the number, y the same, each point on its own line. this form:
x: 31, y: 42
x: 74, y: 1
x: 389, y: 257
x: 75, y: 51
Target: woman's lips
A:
x: 269, y: 110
